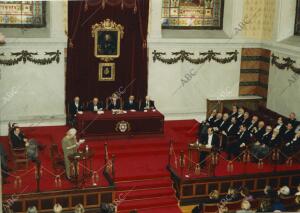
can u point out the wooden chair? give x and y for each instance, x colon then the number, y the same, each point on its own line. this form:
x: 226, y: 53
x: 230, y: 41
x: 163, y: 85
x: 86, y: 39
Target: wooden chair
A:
x: 210, y: 207
x: 234, y: 205
x: 56, y: 157
x: 19, y: 154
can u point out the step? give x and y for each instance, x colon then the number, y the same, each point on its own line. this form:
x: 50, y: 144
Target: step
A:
x: 162, y: 209
x: 147, y: 203
x: 143, y: 184
x: 145, y: 193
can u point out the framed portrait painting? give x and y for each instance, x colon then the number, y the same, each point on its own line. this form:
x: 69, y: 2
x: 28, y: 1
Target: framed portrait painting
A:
x: 106, y: 72
x: 107, y: 36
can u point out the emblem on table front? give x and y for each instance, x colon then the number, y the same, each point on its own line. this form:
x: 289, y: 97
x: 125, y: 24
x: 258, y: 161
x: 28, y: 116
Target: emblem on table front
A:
x: 123, y: 126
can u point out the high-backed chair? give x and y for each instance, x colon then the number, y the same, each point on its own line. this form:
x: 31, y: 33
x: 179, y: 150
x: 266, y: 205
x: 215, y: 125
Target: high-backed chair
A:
x: 19, y: 154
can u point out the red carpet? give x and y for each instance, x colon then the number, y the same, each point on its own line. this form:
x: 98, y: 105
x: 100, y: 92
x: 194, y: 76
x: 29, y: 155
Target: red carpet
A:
x: 142, y: 181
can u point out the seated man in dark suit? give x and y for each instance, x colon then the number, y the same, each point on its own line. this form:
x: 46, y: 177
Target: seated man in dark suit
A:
x: 131, y: 104
x: 114, y: 102
x: 246, y: 120
x: 293, y: 145
x: 260, y: 148
x: 289, y: 133
x: 95, y: 105
x: 234, y: 112
x: 147, y: 104
x: 240, y: 116
x: 258, y: 131
x: 253, y: 124
x: 75, y: 106
x: 280, y: 126
x: 203, y: 126
x: 224, y: 124
x: 292, y: 120
x: 217, y: 121
x: 230, y: 132
x: 19, y: 140
x: 242, y: 141
x: 210, y: 140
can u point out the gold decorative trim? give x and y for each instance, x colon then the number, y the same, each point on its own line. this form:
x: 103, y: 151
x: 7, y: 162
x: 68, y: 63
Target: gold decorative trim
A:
x: 123, y: 126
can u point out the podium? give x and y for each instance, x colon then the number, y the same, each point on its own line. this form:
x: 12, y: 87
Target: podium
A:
x: 199, y: 148
x: 84, y: 157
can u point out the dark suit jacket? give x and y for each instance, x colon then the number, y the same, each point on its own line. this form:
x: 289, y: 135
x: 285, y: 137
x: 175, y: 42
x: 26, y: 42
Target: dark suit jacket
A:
x: 294, y: 123
x: 246, y: 122
x: 116, y: 106
x: 266, y: 138
x: 233, y: 115
x: 210, y: 120
x: 129, y: 106
x: 99, y: 106
x: 259, y: 134
x: 244, y: 138
x: 288, y: 135
x: 281, y: 130
x: 239, y: 119
x: 274, y: 142
x: 151, y: 105
x: 73, y: 109
x: 232, y: 131
x: 215, y: 140
x: 224, y: 125
x: 216, y: 123
x: 251, y: 126
x: 18, y: 141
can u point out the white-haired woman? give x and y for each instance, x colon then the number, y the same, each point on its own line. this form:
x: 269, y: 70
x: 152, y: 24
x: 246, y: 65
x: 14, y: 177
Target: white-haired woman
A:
x: 69, y: 145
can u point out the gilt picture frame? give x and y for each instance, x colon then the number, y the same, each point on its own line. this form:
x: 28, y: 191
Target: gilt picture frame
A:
x: 107, y: 36
x: 106, y: 72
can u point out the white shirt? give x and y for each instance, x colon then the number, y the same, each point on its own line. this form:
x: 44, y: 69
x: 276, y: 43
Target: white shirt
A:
x: 95, y: 108
x: 209, y: 141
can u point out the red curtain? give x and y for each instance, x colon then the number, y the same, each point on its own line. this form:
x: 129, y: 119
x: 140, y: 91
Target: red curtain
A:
x: 82, y: 65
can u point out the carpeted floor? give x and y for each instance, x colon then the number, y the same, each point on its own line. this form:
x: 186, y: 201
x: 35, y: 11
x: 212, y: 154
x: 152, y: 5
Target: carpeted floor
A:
x: 141, y: 177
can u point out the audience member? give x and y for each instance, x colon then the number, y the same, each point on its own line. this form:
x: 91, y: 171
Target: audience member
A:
x: 265, y: 206
x: 32, y: 209
x: 246, y: 194
x: 57, y: 208
x: 213, y: 197
x: 79, y: 208
x: 245, y: 207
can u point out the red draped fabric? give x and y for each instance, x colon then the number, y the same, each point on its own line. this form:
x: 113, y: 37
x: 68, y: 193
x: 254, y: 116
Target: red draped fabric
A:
x: 82, y: 65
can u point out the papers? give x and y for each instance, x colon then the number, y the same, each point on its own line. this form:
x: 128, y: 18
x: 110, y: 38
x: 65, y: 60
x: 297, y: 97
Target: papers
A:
x: 100, y: 112
x: 208, y: 146
x: 145, y: 110
x: 132, y: 110
x: 80, y: 112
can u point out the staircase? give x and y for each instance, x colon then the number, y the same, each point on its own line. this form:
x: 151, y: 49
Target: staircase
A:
x: 150, y: 195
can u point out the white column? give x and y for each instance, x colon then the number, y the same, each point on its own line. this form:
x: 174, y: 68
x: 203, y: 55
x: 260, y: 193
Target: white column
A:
x: 155, y: 18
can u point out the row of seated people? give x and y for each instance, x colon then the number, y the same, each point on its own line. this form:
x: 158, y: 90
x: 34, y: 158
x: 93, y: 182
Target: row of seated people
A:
x: 113, y: 103
x: 242, y: 201
x: 236, y: 131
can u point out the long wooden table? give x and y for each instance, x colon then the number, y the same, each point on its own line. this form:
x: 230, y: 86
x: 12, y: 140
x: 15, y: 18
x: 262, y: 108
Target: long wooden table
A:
x: 90, y: 124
